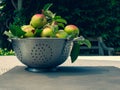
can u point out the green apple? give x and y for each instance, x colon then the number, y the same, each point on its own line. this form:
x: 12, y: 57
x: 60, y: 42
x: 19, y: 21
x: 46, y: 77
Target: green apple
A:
x: 30, y: 31
x: 38, y: 20
x: 72, y: 30
x: 47, y: 32
x: 61, y: 34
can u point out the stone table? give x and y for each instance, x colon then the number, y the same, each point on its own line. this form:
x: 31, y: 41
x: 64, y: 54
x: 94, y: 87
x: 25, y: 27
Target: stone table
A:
x: 87, y: 73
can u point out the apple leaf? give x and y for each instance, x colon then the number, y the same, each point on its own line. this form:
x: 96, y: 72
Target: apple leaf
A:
x: 47, y: 6
x: 9, y: 34
x: 16, y: 30
x: 55, y: 29
x: 49, y: 14
x: 76, y: 47
x: 38, y: 32
x: 81, y: 40
x: 61, y: 20
x: 75, y: 51
x: 61, y: 25
x: 57, y: 17
x: 85, y: 42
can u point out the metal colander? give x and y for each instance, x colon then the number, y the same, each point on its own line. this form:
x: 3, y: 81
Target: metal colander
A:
x: 42, y: 52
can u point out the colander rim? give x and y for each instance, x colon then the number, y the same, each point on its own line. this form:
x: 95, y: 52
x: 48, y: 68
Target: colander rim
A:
x: 32, y: 38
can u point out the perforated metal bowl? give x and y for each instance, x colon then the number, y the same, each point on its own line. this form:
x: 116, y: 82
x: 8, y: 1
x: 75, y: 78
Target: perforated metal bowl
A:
x: 41, y: 53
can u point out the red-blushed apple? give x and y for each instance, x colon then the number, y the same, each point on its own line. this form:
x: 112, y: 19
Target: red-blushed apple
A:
x: 47, y: 32
x: 72, y: 30
x: 30, y: 31
x: 38, y: 20
x: 61, y: 34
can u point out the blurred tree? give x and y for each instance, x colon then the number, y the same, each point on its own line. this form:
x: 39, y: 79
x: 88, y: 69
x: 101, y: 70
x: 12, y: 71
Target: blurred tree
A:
x: 93, y: 17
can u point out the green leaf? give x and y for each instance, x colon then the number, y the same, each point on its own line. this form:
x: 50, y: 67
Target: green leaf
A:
x: 86, y: 42
x: 9, y: 34
x: 38, y: 32
x: 61, y: 20
x: 16, y: 30
x: 57, y: 17
x: 55, y: 29
x: 75, y: 51
x: 76, y: 47
x: 61, y: 25
x: 47, y: 6
x: 81, y: 40
x: 49, y: 14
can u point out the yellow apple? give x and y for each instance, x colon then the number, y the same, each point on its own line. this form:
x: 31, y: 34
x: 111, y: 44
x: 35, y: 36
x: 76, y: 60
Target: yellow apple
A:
x: 38, y: 20
x: 61, y: 34
x: 72, y: 30
x: 30, y: 31
x: 47, y: 32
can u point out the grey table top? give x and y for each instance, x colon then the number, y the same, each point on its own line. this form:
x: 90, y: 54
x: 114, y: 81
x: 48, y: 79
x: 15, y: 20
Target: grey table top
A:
x: 84, y: 75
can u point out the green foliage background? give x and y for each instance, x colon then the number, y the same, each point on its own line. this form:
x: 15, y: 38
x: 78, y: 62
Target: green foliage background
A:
x: 93, y: 17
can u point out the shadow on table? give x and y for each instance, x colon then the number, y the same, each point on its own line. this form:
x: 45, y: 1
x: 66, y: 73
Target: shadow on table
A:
x: 79, y: 71
x: 65, y: 71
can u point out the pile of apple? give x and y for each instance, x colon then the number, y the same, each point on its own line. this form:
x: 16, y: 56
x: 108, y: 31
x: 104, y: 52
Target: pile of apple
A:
x: 44, y: 24
x: 41, y: 26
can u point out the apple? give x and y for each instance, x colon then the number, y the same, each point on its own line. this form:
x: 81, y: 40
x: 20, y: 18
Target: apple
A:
x: 38, y: 20
x: 47, y: 32
x: 61, y: 34
x: 30, y: 31
x: 72, y: 30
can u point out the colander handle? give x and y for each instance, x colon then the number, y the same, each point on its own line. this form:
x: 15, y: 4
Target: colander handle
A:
x: 78, y: 38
